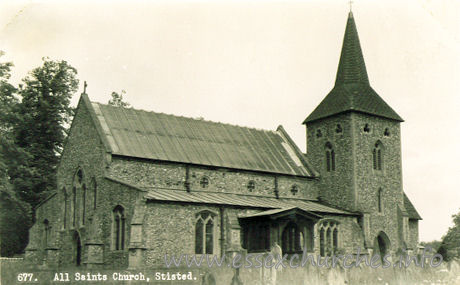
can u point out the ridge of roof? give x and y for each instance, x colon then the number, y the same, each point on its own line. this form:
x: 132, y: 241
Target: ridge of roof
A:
x: 199, y: 119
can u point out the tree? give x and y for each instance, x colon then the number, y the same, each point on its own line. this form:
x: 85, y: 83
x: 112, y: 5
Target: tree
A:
x: 117, y: 100
x: 15, y: 220
x: 39, y: 129
x: 450, y: 246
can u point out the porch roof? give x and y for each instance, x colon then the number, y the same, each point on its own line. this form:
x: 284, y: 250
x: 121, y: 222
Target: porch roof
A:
x: 276, y: 213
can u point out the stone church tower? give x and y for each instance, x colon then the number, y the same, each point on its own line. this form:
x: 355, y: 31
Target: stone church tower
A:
x: 353, y: 140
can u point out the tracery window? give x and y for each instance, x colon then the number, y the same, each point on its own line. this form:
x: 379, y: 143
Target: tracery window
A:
x: 328, y: 237
x: 204, y: 232
x: 118, y: 226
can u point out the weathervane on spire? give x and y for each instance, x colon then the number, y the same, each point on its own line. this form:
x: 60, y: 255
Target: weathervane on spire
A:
x: 351, y: 4
x: 84, y: 87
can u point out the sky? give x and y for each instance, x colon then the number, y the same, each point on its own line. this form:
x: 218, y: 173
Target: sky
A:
x: 262, y: 64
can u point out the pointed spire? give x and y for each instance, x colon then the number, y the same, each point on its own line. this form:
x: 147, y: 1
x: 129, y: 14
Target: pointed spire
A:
x: 352, y: 91
x: 352, y: 68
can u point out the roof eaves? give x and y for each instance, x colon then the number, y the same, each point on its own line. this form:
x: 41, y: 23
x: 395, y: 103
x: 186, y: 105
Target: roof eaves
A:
x: 212, y: 166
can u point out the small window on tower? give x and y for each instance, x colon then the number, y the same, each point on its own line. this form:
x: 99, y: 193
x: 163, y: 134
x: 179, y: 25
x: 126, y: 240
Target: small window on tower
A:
x: 319, y: 134
x: 338, y: 129
x: 204, y: 182
x: 387, y: 132
x: 251, y: 185
x: 366, y: 128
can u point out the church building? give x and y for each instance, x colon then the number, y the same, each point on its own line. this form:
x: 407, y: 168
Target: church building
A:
x: 135, y: 185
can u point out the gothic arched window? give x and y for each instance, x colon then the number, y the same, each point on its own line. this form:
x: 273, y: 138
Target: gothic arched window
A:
x: 328, y: 237
x: 78, y: 198
x: 74, y: 205
x: 204, y: 232
x: 292, y: 239
x: 118, y: 226
x: 377, y: 156
x: 330, y: 157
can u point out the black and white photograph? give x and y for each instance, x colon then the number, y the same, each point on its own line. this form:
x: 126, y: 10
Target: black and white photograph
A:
x: 230, y: 142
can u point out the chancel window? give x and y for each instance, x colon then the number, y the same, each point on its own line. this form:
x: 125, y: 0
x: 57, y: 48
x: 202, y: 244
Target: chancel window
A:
x: 328, y: 237
x: 118, y: 228
x: 292, y: 239
x: 78, y: 198
x: 204, y: 232
x: 377, y: 156
x: 330, y: 157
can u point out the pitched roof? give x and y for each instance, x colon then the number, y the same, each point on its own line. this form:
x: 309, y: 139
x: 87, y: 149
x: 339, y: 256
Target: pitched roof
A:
x: 352, y: 91
x: 158, y: 136
x: 411, y: 211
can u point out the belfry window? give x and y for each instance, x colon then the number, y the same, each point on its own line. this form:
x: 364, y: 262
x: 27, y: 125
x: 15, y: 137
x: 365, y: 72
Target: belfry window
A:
x: 204, y: 233
x: 330, y: 157
x: 118, y: 228
x: 377, y: 156
x: 328, y: 237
